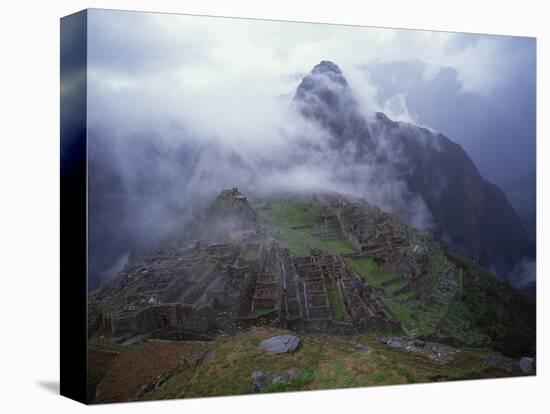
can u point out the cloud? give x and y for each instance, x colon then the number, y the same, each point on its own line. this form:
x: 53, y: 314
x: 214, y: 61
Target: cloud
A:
x: 205, y: 67
x: 161, y: 87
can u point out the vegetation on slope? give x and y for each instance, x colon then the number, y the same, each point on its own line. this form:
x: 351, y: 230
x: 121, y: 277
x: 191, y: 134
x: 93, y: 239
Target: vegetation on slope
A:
x: 291, y: 222
x: 497, y: 309
x: 472, y: 308
x: 374, y: 272
x: 323, y: 362
x: 338, y: 309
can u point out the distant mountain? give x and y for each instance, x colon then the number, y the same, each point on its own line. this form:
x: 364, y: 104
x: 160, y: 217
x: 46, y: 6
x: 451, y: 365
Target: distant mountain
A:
x: 495, y: 129
x: 522, y: 194
x: 470, y: 214
x: 143, y: 191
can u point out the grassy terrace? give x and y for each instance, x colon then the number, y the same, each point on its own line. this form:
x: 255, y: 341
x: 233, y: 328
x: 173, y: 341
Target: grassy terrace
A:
x: 380, y: 277
x: 401, y: 311
x: 421, y: 322
x: 290, y: 221
x: 259, y: 311
x: 253, y: 254
x: 395, y: 286
x: 435, y: 304
x: 372, y: 272
x: 338, y: 309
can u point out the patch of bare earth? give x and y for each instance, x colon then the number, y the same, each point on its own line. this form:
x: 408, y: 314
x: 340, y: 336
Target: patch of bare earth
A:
x: 131, y: 371
x: 99, y: 362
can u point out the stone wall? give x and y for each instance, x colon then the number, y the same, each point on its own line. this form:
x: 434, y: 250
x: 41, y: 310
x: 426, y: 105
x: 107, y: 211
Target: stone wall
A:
x: 122, y: 324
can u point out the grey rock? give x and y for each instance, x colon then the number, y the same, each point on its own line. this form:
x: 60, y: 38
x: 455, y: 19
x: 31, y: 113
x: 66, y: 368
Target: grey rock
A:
x: 362, y: 348
x: 261, y: 379
x: 280, y: 344
x: 258, y: 381
x: 527, y: 365
x: 293, y: 373
x: 382, y: 340
x: 395, y: 342
x: 419, y: 343
x: 492, y: 361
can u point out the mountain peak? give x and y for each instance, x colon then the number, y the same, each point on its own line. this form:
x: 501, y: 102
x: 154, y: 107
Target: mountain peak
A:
x: 326, y: 66
x: 325, y: 97
x: 325, y: 83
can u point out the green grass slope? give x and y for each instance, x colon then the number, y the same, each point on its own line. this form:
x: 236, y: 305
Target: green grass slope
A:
x: 457, y: 301
x: 495, y: 308
x: 290, y: 222
x: 323, y: 362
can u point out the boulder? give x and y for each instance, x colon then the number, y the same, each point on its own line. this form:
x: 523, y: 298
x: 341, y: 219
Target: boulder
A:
x: 395, y: 342
x: 419, y: 343
x: 382, y: 340
x: 527, y: 365
x: 280, y: 344
x: 501, y: 363
x: 258, y: 381
x: 362, y: 348
x: 292, y: 373
x: 262, y: 379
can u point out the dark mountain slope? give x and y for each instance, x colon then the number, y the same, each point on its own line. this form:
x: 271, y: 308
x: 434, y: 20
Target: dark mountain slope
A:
x: 522, y: 194
x: 495, y: 130
x: 497, y: 309
x: 470, y: 214
x: 324, y: 95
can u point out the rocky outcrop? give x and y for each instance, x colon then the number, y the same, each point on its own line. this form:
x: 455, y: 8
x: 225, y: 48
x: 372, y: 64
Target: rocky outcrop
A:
x: 325, y: 97
x: 281, y: 344
x: 527, y: 365
x: 261, y: 380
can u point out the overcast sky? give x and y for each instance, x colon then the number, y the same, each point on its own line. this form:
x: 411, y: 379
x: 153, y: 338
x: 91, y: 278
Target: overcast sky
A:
x: 160, y: 85
x: 206, y: 72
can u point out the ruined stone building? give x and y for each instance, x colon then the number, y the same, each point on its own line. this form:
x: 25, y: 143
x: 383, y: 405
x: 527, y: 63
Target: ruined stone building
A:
x: 235, y: 275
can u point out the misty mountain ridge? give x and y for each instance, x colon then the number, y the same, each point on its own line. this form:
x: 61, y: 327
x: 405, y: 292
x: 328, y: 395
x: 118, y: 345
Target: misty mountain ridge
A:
x: 495, y: 127
x: 420, y: 174
x: 327, y: 142
x: 522, y: 194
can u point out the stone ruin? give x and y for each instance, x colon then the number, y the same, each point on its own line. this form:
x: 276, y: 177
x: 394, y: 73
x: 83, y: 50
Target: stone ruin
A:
x: 247, y: 278
x: 374, y: 233
x: 208, y: 290
x: 203, y: 291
